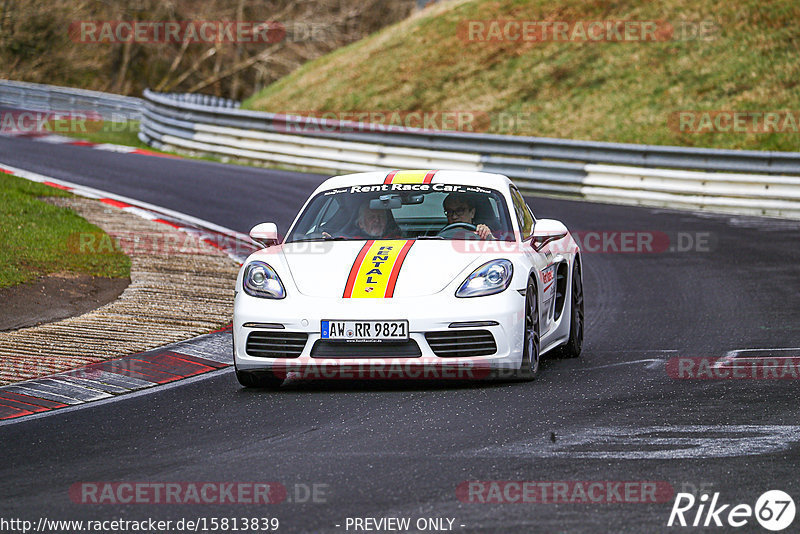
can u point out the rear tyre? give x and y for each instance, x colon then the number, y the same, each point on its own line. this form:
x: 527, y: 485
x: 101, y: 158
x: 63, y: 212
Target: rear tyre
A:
x: 530, y: 340
x: 574, y: 345
x: 264, y: 379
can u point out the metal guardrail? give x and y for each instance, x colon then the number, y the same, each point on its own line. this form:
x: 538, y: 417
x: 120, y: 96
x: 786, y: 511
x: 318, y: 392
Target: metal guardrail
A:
x: 202, y: 100
x: 38, y: 97
x: 736, y: 181
x: 497, y: 148
x: 628, y: 173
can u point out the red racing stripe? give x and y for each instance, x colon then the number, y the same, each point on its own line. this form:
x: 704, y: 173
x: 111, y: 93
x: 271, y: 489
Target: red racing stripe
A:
x: 351, y: 279
x: 389, y: 177
x: 396, y: 269
x: 429, y: 177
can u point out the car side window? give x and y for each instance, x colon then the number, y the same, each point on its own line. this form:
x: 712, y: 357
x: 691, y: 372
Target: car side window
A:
x: 330, y: 217
x: 524, y: 217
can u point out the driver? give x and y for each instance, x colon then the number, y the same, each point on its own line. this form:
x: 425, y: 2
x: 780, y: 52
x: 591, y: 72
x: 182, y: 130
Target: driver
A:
x: 372, y: 223
x: 460, y: 208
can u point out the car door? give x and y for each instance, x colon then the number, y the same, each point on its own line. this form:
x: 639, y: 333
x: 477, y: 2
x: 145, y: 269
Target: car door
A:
x: 540, y: 262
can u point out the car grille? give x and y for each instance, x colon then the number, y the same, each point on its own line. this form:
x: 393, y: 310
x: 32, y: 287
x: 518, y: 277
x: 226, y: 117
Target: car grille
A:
x: 328, y: 349
x: 461, y: 343
x: 272, y: 344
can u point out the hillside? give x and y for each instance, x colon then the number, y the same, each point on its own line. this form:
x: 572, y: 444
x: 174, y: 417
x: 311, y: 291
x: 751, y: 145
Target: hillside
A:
x: 743, y: 59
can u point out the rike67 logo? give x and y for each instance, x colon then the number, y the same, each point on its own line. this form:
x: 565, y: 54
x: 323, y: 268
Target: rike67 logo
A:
x: 774, y: 510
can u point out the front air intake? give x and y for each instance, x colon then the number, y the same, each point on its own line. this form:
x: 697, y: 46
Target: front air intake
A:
x: 272, y: 344
x: 330, y: 349
x: 461, y: 343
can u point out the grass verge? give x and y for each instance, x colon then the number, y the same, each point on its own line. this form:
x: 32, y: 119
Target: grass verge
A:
x: 38, y: 238
x: 117, y: 133
x: 125, y: 134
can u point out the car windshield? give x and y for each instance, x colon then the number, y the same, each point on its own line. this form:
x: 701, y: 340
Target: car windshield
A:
x: 404, y: 211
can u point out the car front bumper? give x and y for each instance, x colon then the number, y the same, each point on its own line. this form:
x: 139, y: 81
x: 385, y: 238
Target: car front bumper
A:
x: 435, y: 313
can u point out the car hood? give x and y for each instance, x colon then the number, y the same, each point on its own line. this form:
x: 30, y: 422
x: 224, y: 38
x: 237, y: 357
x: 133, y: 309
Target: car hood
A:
x: 409, y: 269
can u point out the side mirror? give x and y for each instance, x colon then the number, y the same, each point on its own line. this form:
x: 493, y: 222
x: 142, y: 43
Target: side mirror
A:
x: 265, y: 234
x: 547, y: 230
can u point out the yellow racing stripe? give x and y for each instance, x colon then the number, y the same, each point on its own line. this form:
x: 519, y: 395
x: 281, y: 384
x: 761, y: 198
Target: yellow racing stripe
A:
x: 409, y: 177
x: 376, y: 268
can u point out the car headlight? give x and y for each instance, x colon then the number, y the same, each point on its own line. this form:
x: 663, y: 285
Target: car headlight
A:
x: 261, y: 280
x: 488, y: 279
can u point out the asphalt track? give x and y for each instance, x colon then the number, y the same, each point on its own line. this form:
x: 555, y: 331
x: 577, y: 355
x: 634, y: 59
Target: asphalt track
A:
x: 401, y: 450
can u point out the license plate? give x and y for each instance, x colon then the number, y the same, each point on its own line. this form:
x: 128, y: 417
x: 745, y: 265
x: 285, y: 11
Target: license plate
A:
x: 368, y: 331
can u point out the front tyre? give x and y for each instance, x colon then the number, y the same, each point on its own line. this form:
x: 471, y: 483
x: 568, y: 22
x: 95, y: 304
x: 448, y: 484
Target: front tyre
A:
x: 530, y: 340
x: 265, y: 380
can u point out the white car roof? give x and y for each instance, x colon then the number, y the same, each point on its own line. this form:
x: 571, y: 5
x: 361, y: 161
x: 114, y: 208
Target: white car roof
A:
x: 481, y: 179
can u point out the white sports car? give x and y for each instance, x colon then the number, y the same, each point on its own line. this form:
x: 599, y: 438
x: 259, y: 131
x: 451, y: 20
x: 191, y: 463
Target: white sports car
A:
x: 408, y: 274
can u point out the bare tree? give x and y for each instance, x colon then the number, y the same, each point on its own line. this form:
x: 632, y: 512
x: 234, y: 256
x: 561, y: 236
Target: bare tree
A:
x: 36, y: 43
